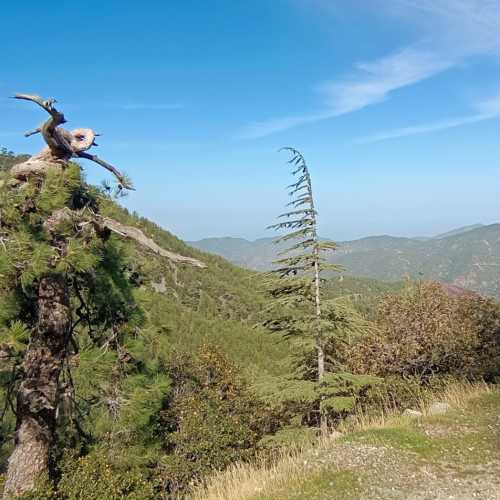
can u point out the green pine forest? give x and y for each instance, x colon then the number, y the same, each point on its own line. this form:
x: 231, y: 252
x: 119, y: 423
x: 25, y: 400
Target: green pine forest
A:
x: 173, y: 371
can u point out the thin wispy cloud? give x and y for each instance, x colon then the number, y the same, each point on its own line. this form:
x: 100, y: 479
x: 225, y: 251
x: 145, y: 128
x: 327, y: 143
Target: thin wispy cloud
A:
x: 376, y: 80
x: 425, y: 128
x: 466, y: 27
x: 152, y: 144
x: 8, y: 103
x: 453, y: 30
x: 371, y: 83
x: 135, y: 106
x: 484, y: 110
x: 268, y: 127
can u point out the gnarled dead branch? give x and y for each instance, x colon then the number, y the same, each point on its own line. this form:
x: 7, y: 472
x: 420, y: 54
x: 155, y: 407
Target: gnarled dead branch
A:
x: 62, y: 144
x: 137, y: 235
x: 105, y: 223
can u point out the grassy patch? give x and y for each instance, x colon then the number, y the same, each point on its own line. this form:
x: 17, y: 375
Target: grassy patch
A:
x: 405, y: 438
x: 323, y: 484
x: 473, y: 431
x: 466, y: 435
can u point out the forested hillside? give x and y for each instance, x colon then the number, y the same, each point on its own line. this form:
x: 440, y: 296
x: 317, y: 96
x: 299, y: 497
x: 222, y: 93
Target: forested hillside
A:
x: 138, y: 365
x: 163, y: 322
x: 468, y: 257
x: 173, y: 370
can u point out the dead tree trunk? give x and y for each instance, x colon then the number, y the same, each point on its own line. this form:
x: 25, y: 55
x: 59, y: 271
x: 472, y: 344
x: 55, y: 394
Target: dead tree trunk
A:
x: 37, y: 397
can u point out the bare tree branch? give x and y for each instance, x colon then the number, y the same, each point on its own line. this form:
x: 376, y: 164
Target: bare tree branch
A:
x: 137, y: 235
x: 59, y: 143
x: 47, y: 105
x: 101, y: 223
x: 124, y: 182
x: 32, y: 132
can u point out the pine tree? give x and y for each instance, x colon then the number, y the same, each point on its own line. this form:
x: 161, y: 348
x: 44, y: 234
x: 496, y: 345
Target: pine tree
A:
x: 63, y: 283
x: 299, y: 310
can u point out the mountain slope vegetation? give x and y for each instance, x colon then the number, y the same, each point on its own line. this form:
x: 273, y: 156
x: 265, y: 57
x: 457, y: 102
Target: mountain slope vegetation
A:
x: 150, y: 342
x: 154, y: 342
x: 171, y: 374
x: 468, y: 257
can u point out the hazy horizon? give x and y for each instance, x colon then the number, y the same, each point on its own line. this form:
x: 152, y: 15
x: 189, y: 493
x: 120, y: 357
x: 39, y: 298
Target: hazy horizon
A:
x: 414, y: 236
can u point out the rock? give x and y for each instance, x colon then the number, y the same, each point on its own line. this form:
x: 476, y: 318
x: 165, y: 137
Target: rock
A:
x: 160, y: 287
x: 412, y: 413
x: 438, y: 408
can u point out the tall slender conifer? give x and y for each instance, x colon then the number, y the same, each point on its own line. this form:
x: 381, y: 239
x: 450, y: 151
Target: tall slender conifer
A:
x: 300, y: 309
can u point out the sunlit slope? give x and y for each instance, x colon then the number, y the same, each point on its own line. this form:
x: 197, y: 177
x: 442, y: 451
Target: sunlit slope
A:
x: 468, y: 257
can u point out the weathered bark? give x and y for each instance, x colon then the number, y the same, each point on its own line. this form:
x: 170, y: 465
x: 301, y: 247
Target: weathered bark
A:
x: 38, y: 392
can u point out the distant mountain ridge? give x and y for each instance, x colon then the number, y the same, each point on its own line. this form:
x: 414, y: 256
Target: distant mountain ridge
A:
x: 460, y: 230
x: 467, y: 257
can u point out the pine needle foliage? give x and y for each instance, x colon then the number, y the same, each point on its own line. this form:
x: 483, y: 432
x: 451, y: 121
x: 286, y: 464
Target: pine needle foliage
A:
x: 8, y: 159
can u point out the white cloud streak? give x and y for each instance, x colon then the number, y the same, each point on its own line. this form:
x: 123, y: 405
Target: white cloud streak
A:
x: 379, y: 78
x: 484, y: 110
x: 425, y: 128
x: 465, y: 27
x: 373, y: 83
x: 459, y: 29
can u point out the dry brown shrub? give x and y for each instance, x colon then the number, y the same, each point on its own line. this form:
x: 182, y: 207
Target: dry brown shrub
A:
x: 425, y: 331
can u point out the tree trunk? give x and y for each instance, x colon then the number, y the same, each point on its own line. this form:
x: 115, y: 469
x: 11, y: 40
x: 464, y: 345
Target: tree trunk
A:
x: 321, y: 371
x: 38, y: 393
x: 319, y: 338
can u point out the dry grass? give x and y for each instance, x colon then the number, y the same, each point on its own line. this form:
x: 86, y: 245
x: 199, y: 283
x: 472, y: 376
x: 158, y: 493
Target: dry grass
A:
x: 244, y: 481
x: 258, y: 480
x: 460, y: 393
x: 456, y: 394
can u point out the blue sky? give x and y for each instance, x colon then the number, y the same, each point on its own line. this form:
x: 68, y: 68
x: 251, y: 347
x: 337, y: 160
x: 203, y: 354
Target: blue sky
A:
x: 395, y: 104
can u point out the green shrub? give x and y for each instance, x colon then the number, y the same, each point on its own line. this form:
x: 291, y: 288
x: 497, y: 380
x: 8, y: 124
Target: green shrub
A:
x: 44, y: 490
x: 93, y: 477
x: 211, y: 420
